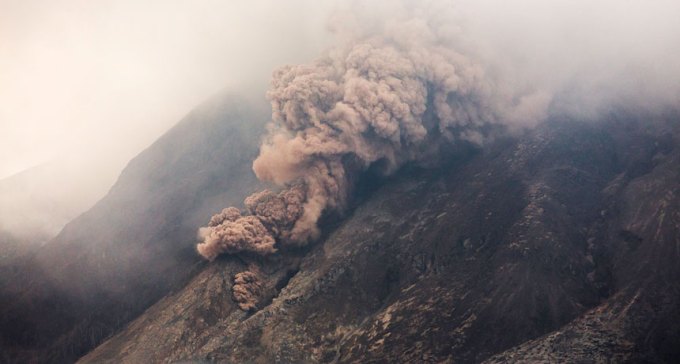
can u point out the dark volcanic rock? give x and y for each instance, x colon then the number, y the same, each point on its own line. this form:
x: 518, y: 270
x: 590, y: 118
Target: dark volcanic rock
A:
x: 137, y: 243
x: 641, y: 321
x: 560, y: 245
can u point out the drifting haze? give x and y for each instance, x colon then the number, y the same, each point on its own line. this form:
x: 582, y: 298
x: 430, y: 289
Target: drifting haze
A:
x: 110, y: 76
x: 86, y: 85
x: 408, y: 75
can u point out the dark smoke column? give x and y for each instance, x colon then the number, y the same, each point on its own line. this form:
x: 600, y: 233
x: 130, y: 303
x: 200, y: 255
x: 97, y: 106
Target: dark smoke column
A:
x: 381, y: 97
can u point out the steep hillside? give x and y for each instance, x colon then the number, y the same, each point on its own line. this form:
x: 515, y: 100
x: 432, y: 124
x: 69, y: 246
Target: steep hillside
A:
x: 138, y: 242
x: 559, y: 245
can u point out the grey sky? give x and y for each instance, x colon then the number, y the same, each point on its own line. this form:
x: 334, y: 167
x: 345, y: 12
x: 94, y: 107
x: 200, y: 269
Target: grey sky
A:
x: 103, y: 79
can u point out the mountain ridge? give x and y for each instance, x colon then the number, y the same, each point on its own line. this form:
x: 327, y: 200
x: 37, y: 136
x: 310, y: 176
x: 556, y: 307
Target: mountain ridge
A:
x: 138, y: 242
x: 503, y: 255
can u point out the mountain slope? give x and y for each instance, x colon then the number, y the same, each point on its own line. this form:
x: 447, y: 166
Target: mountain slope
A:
x: 138, y: 242
x: 559, y: 232
x: 641, y: 321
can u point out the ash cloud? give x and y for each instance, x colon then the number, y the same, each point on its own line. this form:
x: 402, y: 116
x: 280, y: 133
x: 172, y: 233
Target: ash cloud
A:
x: 248, y: 288
x: 366, y: 101
x: 405, y: 76
x: 270, y: 215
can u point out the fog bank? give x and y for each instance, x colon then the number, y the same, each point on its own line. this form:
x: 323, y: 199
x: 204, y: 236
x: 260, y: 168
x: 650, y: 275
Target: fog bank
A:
x: 86, y: 85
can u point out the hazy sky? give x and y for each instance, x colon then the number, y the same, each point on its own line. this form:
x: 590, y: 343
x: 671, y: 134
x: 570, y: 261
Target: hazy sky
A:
x: 103, y: 79
x: 91, y: 83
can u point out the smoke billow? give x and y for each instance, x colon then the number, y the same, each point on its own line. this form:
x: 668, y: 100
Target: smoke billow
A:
x: 243, y: 233
x: 377, y: 98
x: 403, y: 78
x: 248, y: 288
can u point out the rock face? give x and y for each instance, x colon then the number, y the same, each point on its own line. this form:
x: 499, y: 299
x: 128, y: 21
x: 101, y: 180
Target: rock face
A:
x: 557, y: 246
x: 137, y: 243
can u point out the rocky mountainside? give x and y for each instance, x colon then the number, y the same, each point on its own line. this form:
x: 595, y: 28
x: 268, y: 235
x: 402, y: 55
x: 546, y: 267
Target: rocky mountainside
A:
x: 136, y: 244
x: 560, y: 245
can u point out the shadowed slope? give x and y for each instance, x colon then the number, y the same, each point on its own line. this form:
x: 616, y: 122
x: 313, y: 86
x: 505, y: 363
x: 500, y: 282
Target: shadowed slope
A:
x: 455, y: 264
x: 138, y: 242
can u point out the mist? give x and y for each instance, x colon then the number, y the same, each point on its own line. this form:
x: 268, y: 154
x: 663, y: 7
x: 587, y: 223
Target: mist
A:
x: 85, y: 86
x: 588, y: 57
x: 580, y: 58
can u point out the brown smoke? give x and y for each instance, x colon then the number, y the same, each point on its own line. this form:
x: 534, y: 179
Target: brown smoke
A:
x: 247, y: 288
x: 278, y: 213
x: 234, y: 233
x: 382, y: 97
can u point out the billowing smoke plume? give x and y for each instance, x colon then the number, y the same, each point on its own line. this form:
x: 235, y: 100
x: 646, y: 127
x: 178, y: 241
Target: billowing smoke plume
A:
x: 395, y: 86
x: 380, y: 98
x: 248, y: 288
